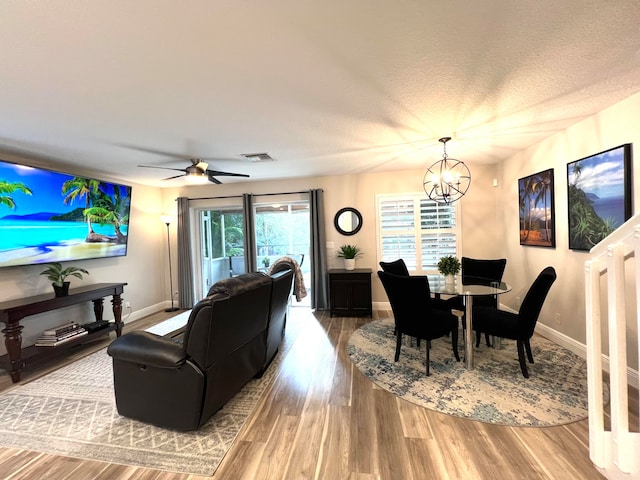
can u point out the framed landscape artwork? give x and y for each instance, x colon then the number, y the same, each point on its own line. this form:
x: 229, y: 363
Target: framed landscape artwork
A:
x: 537, y: 218
x: 599, y: 191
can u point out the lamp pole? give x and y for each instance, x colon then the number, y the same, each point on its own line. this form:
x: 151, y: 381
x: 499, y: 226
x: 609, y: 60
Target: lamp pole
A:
x: 167, y: 221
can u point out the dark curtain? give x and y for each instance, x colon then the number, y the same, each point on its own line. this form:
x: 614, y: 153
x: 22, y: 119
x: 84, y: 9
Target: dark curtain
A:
x: 250, y: 255
x: 318, y: 253
x: 186, y: 295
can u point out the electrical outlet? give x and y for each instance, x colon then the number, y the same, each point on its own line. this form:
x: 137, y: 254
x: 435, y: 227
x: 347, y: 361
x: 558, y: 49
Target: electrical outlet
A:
x: 518, y: 302
x: 330, y: 245
x: 127, y: 305
x: 175, y: 294
x: 557, y: 319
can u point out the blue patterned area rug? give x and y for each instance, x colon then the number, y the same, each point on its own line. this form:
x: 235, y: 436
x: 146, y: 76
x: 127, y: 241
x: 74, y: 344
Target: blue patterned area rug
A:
x: 72, y: 412
x: 493, y: 392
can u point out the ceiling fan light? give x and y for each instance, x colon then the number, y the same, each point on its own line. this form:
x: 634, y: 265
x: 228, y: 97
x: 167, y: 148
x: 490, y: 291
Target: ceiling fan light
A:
x: 196, y: 179
x: 195, y: 175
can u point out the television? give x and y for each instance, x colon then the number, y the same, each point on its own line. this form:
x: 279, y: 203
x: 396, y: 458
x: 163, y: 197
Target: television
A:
x: 49, y: 216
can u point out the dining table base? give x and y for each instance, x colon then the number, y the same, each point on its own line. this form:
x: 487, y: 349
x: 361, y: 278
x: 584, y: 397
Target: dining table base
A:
x: 468, y: 338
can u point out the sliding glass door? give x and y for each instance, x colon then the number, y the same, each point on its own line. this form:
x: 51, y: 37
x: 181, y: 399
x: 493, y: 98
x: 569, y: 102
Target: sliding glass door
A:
x: 222, y: 245
x: 281, y: 229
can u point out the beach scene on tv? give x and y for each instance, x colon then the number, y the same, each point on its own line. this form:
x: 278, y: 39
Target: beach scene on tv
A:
x: 48, y: 216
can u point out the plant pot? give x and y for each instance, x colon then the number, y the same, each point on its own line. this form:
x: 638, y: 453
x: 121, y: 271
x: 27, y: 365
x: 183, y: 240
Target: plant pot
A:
x: 61, y: 290
x: 449, y: 280
x: 349, y: 263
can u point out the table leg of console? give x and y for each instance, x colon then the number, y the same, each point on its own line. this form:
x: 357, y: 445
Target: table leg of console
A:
x: 117, y: 312
x: 13, y: 343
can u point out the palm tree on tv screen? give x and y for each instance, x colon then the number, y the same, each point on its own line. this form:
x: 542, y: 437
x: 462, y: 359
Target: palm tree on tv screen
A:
x: 110, y: 210
x: 7, y: 188
x: 76, y: 189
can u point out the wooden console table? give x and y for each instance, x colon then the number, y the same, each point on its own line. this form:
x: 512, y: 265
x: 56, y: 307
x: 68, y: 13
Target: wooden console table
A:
x: 12, y: 311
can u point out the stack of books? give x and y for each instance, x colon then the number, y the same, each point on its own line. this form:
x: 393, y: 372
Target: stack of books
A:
x: 60, y: 334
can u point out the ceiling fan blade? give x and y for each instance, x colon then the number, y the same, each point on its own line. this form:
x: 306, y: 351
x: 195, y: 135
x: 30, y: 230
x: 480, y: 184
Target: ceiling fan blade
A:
x: 171, y: 178
x: 226, y: 174
x: 163, y: 168
x: 213, y: 179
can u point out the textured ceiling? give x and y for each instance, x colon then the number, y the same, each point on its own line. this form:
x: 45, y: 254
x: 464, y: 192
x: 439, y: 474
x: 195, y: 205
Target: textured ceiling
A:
x: 325, y: 87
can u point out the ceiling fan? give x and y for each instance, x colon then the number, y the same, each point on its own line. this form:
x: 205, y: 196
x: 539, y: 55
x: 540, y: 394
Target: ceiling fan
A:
x: 198, y: 171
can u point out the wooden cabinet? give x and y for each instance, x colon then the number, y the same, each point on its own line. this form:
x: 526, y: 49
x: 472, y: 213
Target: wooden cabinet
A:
x: 350, y: 292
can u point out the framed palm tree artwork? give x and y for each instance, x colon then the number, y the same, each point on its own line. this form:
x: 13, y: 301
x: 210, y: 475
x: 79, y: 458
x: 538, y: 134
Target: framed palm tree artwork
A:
x: 537, y: 217
x: 599, y: 196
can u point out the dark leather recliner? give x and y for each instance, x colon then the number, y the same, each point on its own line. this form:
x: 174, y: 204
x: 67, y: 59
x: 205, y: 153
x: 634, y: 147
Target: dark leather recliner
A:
x: 278, y: 311
x: 181, y: 385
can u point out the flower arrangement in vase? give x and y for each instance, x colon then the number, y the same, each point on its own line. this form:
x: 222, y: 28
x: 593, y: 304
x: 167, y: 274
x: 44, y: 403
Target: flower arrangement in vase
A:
x: 349, y: 254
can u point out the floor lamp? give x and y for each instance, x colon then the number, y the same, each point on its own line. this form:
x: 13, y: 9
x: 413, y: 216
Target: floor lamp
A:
x: 167, y: 219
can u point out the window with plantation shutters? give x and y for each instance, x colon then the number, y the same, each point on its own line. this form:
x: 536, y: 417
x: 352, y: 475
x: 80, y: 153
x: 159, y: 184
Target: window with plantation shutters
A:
x: 416, y: 229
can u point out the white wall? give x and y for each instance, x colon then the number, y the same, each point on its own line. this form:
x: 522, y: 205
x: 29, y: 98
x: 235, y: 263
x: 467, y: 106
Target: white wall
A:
x: 614, y: 126
x: 358, y: 191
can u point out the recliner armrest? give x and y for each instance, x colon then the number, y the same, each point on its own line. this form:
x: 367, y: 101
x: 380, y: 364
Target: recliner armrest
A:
x: 146, y: 348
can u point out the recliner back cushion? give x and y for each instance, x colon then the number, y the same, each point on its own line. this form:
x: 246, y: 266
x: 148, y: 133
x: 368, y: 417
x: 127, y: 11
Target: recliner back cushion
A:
x: 236, y: 310
x: 280, y: 293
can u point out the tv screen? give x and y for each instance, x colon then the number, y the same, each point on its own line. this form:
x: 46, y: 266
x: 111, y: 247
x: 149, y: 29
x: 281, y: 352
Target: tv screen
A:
x: 48, y: 216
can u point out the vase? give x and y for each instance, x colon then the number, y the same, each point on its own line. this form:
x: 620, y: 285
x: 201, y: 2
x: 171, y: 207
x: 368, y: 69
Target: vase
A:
x: 349, y: 263
x: 449, y: 280
x: 61, y: 290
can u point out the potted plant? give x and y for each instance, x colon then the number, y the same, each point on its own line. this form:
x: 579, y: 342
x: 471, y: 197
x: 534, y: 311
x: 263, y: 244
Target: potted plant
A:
x: 449, y: 265
x: 349, y: 254
x: 266, y: 262
x: 58, y: 276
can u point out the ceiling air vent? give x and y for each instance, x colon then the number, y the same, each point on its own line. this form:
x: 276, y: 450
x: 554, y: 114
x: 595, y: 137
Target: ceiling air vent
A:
x: 258, y: 157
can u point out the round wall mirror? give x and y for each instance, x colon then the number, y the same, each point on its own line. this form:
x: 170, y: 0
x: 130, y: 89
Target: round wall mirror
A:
x: 348, y: 221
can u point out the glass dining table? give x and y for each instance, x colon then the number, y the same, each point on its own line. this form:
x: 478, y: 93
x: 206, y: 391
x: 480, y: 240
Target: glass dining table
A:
x: 471, y: 287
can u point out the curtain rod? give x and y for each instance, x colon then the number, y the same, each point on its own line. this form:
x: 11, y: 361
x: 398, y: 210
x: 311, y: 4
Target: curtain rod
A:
x: 255, y: 195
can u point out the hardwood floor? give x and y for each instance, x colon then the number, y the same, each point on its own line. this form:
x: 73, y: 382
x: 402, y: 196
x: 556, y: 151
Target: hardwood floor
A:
x: 322, y: 419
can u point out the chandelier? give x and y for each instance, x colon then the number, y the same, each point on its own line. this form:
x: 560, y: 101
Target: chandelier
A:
x: 447, y: 180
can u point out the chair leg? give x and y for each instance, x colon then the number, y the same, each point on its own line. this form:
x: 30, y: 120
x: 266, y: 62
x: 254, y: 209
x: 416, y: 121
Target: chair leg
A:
x: 398, y: 343
x: 523, y: 363
x: 486, y: 338
x: 454, y: 343
x: 427, y: 342
x: 527, y: 347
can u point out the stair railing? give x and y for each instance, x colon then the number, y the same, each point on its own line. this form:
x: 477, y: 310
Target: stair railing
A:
x: 616, y: 451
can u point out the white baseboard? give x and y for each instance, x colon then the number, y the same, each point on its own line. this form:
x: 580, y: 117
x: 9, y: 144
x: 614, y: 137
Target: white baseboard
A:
x: 138, y: 314
x: 581, y: 350
x: 561, y: 339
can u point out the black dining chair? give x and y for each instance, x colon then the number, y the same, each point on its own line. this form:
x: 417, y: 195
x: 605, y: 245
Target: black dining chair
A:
x: 479, y: 271
x: 414, y: 314
x: 517, y: 326
x: 397, y: 267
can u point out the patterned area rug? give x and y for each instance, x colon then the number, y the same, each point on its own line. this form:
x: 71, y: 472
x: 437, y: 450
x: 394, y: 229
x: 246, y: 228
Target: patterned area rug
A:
x: 72, y: 412
x: 494, y: 392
